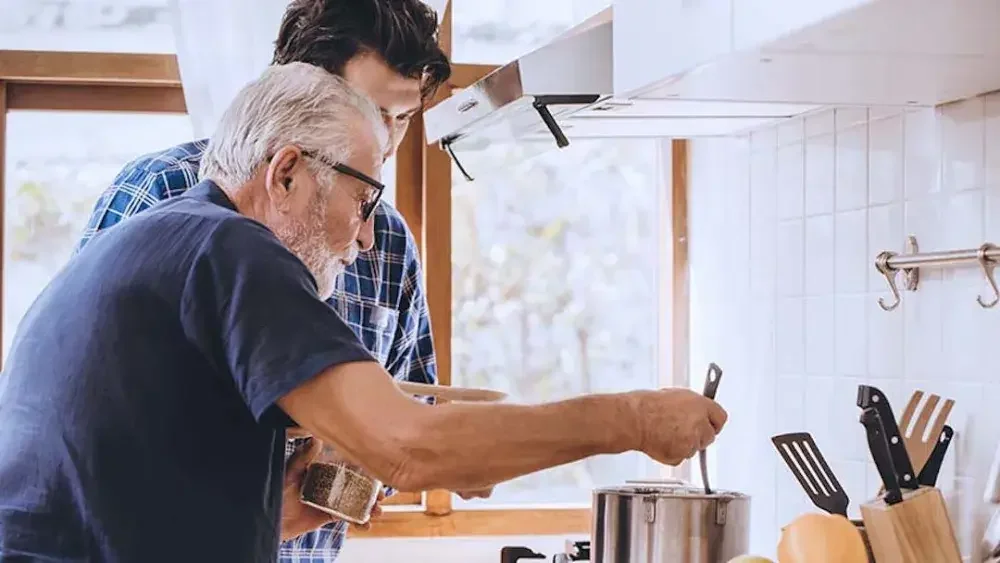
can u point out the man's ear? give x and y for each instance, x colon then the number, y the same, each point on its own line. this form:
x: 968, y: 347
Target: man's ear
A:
x: 279, y: 180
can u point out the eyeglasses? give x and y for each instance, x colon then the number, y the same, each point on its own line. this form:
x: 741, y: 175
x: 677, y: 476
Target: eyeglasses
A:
x: 367, y: 206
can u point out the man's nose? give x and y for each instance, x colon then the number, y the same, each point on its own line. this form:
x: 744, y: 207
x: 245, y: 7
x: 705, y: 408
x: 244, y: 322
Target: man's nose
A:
x: 395, y: 136
x: 366, y: 235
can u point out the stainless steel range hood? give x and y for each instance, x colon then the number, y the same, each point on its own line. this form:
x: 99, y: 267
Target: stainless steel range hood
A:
x: 564, y: 91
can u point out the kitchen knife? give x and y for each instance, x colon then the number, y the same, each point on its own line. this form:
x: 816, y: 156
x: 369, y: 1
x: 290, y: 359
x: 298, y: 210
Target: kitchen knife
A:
x: 873, y: 397
x: 878, y: 444
x: 514, y: 554
x: 991, y: 537
x: 929, y: 474
x: 711, y: 388
x: 992, y: 493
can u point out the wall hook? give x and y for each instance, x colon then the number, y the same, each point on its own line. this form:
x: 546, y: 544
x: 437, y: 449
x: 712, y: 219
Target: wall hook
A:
x: 882, y: 265
x: 987, y: 264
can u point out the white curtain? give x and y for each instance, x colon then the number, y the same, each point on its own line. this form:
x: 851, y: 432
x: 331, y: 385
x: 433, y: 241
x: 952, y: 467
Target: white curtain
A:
x: 222, y: 45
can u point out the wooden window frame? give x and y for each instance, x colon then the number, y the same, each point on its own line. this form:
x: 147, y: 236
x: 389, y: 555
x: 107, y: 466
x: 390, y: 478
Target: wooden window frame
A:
x: 112, y: 82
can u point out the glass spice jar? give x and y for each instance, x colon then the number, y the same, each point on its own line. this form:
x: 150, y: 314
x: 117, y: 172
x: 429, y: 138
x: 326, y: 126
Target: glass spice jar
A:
x: 340, y: 488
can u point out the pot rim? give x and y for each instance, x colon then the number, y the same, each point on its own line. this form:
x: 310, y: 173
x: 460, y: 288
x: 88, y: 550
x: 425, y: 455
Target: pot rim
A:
x: 678, y: 491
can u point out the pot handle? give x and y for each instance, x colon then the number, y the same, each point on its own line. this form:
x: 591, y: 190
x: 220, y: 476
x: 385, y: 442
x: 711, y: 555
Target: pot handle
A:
x: 649, y: 504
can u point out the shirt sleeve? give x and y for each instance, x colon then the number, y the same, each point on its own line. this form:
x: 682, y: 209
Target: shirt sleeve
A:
x: 252, y: 308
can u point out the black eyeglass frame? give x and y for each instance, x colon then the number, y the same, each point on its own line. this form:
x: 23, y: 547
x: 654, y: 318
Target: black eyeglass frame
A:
x: 368, y: 207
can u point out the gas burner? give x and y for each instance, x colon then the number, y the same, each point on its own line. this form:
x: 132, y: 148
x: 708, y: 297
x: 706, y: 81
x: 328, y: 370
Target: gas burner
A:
x: 575, y: 551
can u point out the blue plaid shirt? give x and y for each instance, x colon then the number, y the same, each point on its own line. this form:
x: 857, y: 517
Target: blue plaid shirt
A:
x: 380, y: 296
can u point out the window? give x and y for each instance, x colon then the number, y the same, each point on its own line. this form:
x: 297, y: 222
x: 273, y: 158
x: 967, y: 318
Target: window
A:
x: 554, y: 268
x: 57, y: 164
x: 389, y: 179
x: 118, y: 26
x: 497, y: 31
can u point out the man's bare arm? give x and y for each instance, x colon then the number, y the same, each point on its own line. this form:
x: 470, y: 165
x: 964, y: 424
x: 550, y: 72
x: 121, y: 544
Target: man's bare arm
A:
x: 413, y: 446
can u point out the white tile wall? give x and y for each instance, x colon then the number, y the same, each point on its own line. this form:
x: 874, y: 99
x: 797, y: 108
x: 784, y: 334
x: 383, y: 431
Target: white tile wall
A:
x: 784, y: 291
x: 827, y: 193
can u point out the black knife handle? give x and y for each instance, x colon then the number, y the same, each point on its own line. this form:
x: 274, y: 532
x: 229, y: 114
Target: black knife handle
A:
x: 513, y: 554
x: 879, y: 447
x: 929, y: 474
x: 873, y: 397
x: 712, y: 380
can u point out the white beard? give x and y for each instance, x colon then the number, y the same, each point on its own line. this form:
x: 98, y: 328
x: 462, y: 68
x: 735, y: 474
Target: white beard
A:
x: 307, y: 241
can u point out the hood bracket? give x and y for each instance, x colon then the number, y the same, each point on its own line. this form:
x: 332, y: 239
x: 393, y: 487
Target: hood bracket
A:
x: 541, y: 105
x: 446, y: 145
x: 543, y: 111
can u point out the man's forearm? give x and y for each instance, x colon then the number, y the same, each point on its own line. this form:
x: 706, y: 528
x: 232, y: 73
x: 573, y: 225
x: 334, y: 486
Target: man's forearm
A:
x: 413, y: 446
x: 467, y: 446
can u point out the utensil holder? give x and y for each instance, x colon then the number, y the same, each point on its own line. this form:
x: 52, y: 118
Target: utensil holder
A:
x: 860, y: 525
x: 915, y: 530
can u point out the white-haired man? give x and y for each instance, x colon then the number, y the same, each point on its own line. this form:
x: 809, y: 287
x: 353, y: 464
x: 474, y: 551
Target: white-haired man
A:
x: 145, y: 413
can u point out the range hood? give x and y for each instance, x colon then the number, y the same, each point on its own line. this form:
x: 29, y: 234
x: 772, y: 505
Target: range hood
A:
x: 564, y: 90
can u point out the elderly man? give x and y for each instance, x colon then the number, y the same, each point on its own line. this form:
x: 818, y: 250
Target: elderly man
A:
x: 387, y: 49
x: 144, y: 413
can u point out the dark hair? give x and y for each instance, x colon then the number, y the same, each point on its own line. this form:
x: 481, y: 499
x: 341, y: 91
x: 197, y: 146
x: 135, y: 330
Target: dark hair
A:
x: 328, y: 33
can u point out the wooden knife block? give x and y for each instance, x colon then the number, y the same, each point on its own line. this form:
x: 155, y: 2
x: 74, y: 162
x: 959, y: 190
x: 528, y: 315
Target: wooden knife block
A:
x: 916, y: 530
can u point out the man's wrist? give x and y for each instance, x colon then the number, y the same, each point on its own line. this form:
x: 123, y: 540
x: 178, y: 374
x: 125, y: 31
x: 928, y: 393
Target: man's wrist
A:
x: 625, y: 435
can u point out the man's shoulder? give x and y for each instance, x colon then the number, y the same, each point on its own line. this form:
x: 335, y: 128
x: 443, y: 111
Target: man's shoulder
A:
x: 176, y: 168
x: 392, y: 233
x: 185, y: 155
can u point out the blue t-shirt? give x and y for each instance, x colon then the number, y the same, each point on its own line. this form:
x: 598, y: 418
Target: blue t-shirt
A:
x: 137, y: 407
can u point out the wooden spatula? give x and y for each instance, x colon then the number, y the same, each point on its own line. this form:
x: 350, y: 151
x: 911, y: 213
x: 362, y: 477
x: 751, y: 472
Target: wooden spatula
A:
x: 913, y: 427
x: 460, y: 394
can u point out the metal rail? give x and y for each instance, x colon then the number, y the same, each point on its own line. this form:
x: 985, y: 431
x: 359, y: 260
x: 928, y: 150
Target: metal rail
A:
x: 890, y: 263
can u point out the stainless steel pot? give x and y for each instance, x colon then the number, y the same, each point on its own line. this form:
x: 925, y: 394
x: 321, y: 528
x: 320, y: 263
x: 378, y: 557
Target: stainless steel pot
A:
x: 668, y: 522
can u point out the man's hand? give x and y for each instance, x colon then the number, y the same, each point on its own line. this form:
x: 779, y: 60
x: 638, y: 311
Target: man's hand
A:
x: 297, y: 433
x: 478, y: 493
x: 298, y: 518
x: 376, y: 511
x: 674, y: 424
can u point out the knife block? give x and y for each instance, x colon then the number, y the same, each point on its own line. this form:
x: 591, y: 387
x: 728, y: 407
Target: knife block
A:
x: 860, y: 525
x: 916, y: 530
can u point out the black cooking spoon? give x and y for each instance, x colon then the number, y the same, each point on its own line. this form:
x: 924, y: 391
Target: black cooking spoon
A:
x: 711, y: 387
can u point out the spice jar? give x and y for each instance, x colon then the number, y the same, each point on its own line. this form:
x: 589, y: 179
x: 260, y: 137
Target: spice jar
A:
x: 340, y: 488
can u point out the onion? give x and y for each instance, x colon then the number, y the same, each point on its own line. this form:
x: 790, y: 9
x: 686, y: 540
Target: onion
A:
x: 821, y: 538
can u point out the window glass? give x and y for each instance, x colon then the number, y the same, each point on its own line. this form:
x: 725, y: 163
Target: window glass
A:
x: 497, y: 31
x: 116, y: 26
x: 389, y: 179
x: 57, y: 164
x: 554, y: 289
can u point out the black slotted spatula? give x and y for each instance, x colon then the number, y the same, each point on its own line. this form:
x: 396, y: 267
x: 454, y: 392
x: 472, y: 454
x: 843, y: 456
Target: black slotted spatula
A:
x: 809, y: 467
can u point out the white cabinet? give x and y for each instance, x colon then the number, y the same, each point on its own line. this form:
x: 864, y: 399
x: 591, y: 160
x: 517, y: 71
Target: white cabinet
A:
x: 814, y: 52
x: 660, y: 38
x: 756, y: 22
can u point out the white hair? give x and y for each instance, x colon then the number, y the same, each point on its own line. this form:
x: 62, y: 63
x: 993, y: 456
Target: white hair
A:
x: 293, y: 104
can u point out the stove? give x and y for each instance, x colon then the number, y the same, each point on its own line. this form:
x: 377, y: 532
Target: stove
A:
x: 575, y: 551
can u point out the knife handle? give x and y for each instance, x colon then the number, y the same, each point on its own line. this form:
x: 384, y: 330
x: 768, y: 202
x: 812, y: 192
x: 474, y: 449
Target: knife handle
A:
x: 879, y: 447
x: 873, y: 397
x: 929, y: 474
